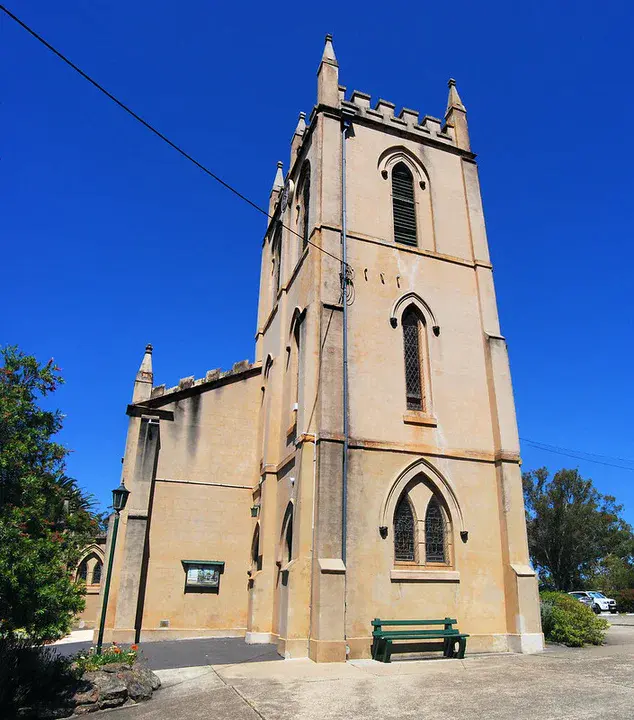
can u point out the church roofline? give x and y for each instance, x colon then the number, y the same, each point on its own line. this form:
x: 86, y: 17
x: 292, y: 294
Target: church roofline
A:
x: 190, y: 386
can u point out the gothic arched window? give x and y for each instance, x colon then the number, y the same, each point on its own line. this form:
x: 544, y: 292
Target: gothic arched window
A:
x: 287, y: 534
x: 82, y: 573
x: 413, y: 362
x: 304, y: 206
x: 435, y: 550
x: 276, y: 252
x: 96, y: 573
x: 404, y: 531
x: 403, y: 205
x: 256, y: 558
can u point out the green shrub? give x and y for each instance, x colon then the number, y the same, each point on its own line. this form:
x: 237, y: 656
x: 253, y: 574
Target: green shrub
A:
x: 624, y: 600
x: 566, y: 620
x: 33, y: 678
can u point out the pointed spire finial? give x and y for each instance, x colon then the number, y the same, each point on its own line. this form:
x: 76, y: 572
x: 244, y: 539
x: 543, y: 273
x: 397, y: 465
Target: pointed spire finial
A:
x: 144, y: 377
x: 301, y: 124
x: 328, y: 76
x: 329, y: 51
x: 456, y: 117
x: 278, y: 183
x: 145, y: 370
x: 454, y: 100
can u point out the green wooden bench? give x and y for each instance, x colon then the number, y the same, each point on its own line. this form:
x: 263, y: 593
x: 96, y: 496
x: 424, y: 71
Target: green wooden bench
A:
x: 382, y: 639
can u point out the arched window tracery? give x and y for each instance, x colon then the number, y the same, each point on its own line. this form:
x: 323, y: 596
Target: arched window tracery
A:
x: 404, y: 532
x: 435, y: 536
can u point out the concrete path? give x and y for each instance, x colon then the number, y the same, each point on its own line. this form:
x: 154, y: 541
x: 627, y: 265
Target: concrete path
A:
x: 625, y: 619
x: 76, y: 636
x: 561, y: 683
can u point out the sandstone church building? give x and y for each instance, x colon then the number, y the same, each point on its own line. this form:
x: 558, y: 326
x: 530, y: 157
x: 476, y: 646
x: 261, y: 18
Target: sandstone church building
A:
x: 243, y: 519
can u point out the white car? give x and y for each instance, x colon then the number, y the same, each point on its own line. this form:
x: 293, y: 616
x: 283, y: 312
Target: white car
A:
x: 595, y: 600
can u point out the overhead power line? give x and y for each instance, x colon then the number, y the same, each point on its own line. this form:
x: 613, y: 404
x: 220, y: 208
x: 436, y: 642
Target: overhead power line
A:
x: 581, y: 455
x: 156, y: 132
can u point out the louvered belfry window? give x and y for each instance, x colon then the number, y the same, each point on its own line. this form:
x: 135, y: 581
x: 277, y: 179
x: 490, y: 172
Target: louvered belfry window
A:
x: 434, y: 533
x: 404, y: 531
x: 403, y: 205
x: 411, y: 347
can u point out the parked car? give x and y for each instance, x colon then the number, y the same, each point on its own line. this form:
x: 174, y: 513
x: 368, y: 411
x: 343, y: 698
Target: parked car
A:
x: 596, y: 600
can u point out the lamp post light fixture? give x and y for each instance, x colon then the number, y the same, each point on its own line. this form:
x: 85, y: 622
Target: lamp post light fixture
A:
x: 119, y: 500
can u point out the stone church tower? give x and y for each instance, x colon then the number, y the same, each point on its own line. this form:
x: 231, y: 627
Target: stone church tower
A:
x: 266, y: 504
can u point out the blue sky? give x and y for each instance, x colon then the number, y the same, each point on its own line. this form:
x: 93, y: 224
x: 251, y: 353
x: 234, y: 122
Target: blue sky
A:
x: 111, y: 240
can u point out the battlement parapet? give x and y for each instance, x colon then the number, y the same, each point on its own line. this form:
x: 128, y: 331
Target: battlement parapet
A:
x: 211, y: 376
x: 384, y: 111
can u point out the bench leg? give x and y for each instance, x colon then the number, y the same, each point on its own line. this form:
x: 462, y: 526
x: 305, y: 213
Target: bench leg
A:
x: 387, y: 651
x: 375, y: 644
x: 447, y: 648
x: 462, y: 646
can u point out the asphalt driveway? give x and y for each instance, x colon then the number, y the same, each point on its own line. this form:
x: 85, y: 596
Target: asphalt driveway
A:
x: 192, y: 653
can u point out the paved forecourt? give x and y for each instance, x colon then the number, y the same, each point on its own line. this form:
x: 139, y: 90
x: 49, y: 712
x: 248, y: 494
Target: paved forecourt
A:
x: 559, y: 683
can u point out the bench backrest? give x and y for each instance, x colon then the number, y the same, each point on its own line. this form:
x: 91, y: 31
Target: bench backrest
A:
x: 447, y: 622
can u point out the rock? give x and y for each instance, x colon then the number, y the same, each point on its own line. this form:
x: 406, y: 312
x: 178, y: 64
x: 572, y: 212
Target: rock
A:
x: 112, y: 690
x: 141, y: 668
x: 114, y: 685
x: 114, y: 667
x: 138, y: 689
x: 85, y: 709
x: 86, y: 696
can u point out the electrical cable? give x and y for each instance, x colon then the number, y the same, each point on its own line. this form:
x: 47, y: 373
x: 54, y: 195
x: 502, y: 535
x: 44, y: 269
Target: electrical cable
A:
x: 156, y: 132
x: 579, y: 454
x: 576, y: 454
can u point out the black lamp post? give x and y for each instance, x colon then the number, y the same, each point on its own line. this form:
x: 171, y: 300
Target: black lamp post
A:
x: 119, y: 500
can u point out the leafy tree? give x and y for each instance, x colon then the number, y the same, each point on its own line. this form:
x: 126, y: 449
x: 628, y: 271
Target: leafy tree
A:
x: 45, y: 518
x: 612, y: 573
x: 572, y: 527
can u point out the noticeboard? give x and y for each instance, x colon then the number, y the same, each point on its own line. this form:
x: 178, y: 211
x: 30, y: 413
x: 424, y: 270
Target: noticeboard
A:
x: 202, y: 574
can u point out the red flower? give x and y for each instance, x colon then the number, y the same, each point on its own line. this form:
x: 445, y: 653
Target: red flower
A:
x: 134, y: 648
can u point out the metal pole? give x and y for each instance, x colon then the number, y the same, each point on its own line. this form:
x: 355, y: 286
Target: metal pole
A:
x: 344, y: 294
x: 106, y: 589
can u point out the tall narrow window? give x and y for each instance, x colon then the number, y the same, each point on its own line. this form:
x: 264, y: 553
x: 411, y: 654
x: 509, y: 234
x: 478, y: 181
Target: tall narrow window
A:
x: 96, y: 573
x: 256, y: 558
x: 276, y: 250
x: 82, y: 573
x: 411, y: 347
x: 435, y: 533
x: 305, y: 209
x: 404, y: 531
x: 403, y: 205
x: 288, y: 534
